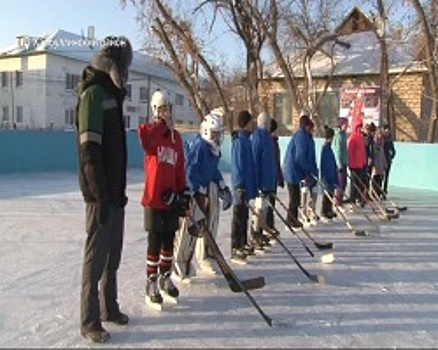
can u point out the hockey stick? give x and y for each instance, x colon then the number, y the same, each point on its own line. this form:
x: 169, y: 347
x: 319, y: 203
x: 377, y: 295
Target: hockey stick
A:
x: 364, y: 199
x: 234, y: 283
x: 359, y: 233
x: 385, y: 215
x: 397, y: 207
x: 318, y: 245
x: 394, y: 214
x: 362, y: 212
x: 265, y: 227
x: 312, y: 277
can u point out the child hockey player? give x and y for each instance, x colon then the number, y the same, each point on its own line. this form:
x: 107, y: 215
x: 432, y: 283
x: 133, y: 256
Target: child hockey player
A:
x: 339, y: 146
x: 379, y: 165
x: 266, y: 178
x: 207, y: 183
x: 243, y: 179
x: 279, y: 174
x: 357, y: 161
x: 165, y: 197
x: 329, y: 174
x: 299, y: 166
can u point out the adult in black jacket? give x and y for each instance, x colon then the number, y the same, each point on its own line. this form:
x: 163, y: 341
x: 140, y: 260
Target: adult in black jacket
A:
x: 102, y: 155
x: 389, y: 150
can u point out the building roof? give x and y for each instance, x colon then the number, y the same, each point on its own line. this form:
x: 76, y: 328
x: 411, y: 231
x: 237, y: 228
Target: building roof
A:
x: 361, y: 58
x: 80, y: 48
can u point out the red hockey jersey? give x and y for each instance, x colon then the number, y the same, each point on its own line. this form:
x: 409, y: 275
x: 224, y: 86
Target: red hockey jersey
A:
x: 163, y: 163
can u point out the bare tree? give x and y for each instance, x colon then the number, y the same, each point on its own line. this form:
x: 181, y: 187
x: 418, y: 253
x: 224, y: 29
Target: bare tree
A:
x: 310, y: 24
x: 429, y: 27
x: 181, y: 53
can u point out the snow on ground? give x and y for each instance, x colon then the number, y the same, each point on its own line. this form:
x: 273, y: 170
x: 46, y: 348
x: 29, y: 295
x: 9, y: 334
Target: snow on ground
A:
x: 381, y: 291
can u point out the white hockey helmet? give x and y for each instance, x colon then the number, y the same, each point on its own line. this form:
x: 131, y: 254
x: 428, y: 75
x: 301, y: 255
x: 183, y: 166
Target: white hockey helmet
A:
x: 159, y: 99
x: 212, y: 129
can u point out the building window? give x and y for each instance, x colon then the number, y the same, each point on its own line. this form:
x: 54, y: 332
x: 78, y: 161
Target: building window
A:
x: 71, y: 81
x: 5, y: 80
x: 70, y: 117
x: 127, y: 120
x: 18, y: 78
x: 19, y: 116
x: 128, y: 91
x: 144, y: 93
x: 283, y: 108
x: 328, y: 107
x: 179, y: 99
x: 5, y: 114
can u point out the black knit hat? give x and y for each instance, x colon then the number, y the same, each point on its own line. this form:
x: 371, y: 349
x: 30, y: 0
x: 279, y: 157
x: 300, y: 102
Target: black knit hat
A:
x: 243, y: 118
x: 328, y: 132
x: 272, y: 125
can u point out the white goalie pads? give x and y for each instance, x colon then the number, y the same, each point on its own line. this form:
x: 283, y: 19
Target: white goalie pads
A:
x: 260, y: 212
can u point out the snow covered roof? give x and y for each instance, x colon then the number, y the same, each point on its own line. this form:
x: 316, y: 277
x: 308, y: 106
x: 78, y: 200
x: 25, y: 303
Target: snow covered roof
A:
x: 362, y: 57
x: 78, y: 47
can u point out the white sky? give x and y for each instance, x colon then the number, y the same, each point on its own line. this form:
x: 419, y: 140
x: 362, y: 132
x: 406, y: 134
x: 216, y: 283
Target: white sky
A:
x: 381, y: 291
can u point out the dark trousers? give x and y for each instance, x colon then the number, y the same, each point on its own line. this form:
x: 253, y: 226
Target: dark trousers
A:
x: 357, y: 190
x: 161, y: 226
x: 270, y: 212
x: 386, y: 178
x: 377, y: 185
x: 342, y: 183
x: 239, y: 226
x: 294, y: 203
x: 102, y: 254
x: 327, y: 206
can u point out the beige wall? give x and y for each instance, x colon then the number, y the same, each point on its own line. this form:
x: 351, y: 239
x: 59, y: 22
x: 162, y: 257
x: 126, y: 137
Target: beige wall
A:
x: 409, y: 107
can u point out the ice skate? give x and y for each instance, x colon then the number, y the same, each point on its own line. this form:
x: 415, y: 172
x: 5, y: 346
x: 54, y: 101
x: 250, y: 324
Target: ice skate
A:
x: 238, y: 256
x: 96, y: 336
x: 183, y: 271
x: 153, y: 298
x: 170, y: 291
x: 208, y: 266
x: 249, y: 250
x: 257, y: 245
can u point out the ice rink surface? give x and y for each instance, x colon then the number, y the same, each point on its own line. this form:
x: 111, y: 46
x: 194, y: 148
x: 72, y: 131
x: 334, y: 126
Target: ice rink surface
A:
x: 380, y: 292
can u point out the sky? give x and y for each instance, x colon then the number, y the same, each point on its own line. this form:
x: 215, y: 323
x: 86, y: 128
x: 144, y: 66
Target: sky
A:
x: 40, y: 17
x: 380, y: 291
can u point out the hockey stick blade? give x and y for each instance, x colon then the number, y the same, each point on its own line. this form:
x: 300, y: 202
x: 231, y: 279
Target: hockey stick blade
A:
x: 403, y: 208
x: 249, y: 284
x: 360, y: 233
x: 394, y: 215
x: 324, y: 246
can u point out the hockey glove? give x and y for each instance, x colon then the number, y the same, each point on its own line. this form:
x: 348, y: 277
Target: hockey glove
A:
x: 240, y: 196
x: 266, y: 194
x: 197, y: 229
x: 169, y: 198
x: 183, y: 203
x: 226, y: 197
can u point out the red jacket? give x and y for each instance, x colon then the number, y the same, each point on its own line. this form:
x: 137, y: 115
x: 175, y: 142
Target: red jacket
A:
x: 163, y: 163
x: 356, y: 149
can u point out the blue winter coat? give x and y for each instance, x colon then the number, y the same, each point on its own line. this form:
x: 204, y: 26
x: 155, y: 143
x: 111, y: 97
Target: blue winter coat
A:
x: 300, y: 159
x: 242, y: 165
x: 264, y: 160
x: 201, y: 164
x: 329, y: 173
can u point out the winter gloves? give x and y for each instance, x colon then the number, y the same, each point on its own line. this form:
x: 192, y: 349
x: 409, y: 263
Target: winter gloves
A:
x: 227, y: 198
